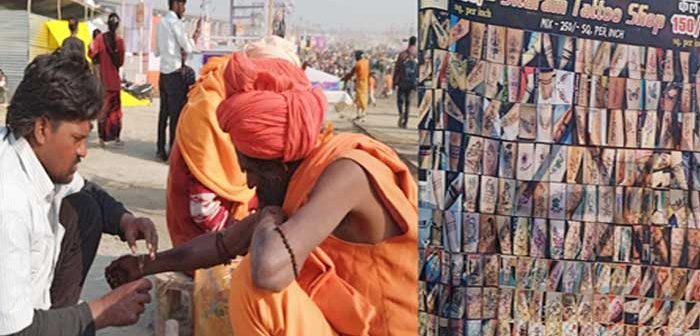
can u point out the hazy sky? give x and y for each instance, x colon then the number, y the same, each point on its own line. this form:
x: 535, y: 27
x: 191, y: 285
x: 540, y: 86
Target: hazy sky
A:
x: 341, y: 14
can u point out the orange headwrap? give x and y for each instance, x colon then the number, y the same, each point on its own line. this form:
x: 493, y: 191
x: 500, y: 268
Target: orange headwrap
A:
x: 271, y: 111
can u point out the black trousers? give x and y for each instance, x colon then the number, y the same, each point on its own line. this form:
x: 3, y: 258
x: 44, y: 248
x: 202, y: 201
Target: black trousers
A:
x: 81, y: 217
x: 173, y: 97
x: 403, y: 101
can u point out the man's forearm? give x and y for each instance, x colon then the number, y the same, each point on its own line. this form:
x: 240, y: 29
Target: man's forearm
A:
x: 199, y: 252
x: 75, y: 320
x: 202, y: 251
x: 272, y: 269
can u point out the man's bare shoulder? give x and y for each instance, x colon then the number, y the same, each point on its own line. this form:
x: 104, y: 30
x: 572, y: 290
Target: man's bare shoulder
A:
x: 347, y: 182
x: 344, y: 169
x: 345, y: 179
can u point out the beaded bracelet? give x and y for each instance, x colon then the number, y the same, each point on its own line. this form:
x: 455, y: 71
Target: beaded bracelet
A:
x: 289, y: 250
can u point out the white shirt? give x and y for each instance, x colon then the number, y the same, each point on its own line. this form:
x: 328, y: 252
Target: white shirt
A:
x: 30, y: 234
x: 171, y: 37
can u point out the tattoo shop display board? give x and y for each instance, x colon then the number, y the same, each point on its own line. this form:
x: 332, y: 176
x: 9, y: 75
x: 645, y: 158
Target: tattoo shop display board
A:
x: 559, y: 160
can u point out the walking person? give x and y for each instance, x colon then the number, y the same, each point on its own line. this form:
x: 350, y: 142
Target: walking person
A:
x: 372, y: 89
x: 361, y: 74
x: 388, y: 85
x: 173, y: 46
x: 405, y: 79
x: 96, y: 59
x: 108, y: 48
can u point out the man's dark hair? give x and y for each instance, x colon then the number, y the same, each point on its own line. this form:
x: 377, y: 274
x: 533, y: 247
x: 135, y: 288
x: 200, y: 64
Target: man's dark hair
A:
x: 57, y: 86
x: 172, y: 2
x: 412, y: 41
x: 73, y: 25
x: 358, y: 54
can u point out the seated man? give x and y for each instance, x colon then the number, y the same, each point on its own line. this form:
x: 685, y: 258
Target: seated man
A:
x: 51, y: 220
x: 340, y: 256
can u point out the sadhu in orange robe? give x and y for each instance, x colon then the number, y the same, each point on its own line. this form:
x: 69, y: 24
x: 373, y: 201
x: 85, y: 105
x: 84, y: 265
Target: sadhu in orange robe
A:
x: 362, y: 83
x: 343, y: 288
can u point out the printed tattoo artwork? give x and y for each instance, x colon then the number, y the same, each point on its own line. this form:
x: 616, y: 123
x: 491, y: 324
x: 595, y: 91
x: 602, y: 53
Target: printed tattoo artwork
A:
x: 558, y: 174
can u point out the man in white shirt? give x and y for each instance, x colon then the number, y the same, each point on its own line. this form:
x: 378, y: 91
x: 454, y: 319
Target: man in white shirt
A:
x: 173, y: 46
x: 51, y: 219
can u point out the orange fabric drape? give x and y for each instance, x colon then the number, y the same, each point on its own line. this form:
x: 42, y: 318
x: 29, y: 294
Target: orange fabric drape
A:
x: 203, y: 149
x: 205, y: 146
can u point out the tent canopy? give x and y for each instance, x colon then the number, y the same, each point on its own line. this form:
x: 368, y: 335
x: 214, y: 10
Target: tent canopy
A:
x: 331, y: 88
x: 323, y: 79
x: 48, y: 8
x: 58, y: 31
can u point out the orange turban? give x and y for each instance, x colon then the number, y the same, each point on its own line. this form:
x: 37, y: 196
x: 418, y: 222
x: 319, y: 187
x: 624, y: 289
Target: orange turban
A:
x: 271, y: 111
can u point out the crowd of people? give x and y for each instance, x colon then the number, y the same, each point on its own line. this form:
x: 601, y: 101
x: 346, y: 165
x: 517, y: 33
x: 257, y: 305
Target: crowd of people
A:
x: 377, y: 71
x: 338, y: 59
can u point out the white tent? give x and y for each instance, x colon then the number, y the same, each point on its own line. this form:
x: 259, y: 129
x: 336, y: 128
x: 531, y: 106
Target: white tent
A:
x: 324, y: 79
x: 331, y: 87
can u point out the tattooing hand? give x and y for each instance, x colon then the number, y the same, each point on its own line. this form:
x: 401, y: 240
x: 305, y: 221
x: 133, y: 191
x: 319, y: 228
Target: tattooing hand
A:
x: 135, y: 228
x: 122, y: 306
